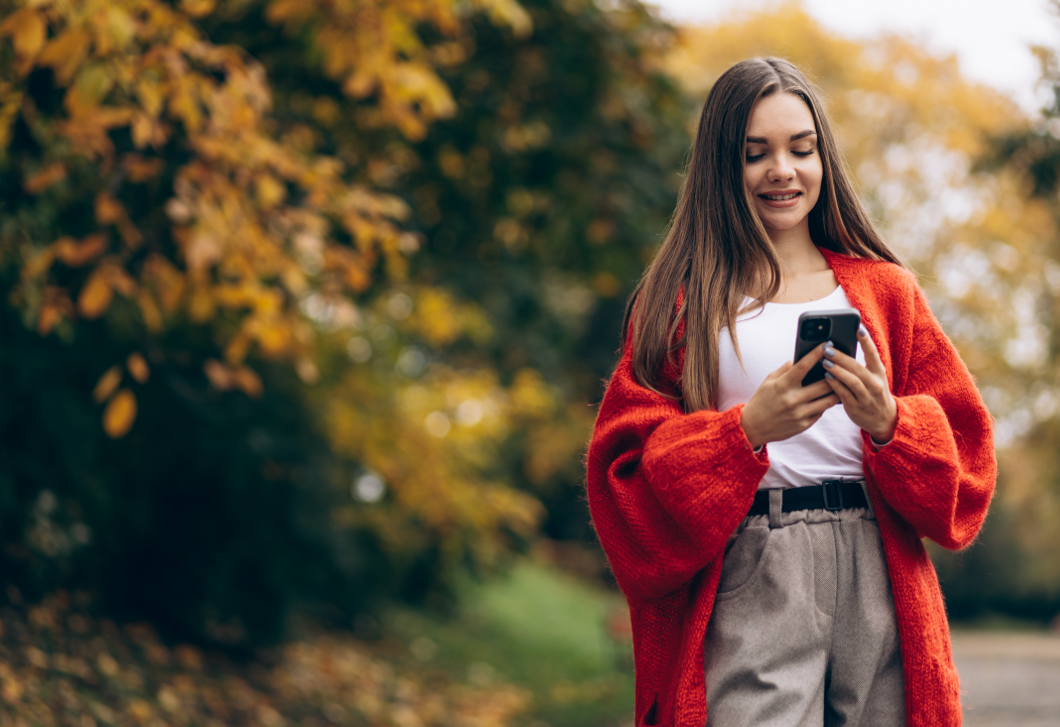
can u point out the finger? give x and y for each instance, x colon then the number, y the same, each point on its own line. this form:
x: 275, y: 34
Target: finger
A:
x: 804, y: 364
x: 812, y: 392
x: 840, y: 389
x: 817, y: 407
x: 873, y: 362
x: 852, y: 381
x: 851, y: 364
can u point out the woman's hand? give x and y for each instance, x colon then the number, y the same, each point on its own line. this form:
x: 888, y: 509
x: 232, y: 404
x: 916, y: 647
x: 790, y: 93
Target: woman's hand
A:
x: 782, y: 407
x: 864, y: 390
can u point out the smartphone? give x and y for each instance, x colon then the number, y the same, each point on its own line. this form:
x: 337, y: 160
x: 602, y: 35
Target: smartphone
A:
x: 817, y: 326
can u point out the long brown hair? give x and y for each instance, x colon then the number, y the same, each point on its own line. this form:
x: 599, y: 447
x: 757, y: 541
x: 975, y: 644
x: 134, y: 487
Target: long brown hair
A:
x: 717, y: 249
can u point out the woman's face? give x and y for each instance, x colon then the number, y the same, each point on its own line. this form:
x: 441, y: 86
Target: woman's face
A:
x: 782, y: 167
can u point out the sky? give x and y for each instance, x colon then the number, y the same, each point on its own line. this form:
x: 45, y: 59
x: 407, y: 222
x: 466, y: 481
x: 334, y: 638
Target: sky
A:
x: 989, y: 37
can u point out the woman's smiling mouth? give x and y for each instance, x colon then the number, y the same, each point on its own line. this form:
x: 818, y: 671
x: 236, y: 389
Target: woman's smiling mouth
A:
x: 780, y: 199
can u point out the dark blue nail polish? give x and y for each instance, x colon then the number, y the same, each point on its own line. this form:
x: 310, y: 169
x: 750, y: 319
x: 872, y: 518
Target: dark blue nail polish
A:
x: 828, y: 364
x: 828, y: 375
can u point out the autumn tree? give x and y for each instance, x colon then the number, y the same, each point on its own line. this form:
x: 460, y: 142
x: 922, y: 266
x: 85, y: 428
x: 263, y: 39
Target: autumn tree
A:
x: 163, y: 236
x: 306, y: 313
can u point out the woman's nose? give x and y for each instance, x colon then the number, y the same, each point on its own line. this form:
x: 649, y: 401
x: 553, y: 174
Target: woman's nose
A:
x: 781, y: 168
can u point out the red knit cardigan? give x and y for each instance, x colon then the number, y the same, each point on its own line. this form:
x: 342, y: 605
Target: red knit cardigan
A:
x: 666, y: 489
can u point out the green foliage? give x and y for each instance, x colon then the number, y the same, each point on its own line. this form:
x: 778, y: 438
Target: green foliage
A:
x: 541, y: 629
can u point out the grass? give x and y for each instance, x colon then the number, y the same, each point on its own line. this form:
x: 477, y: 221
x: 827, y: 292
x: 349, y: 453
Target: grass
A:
x: 539, y: 629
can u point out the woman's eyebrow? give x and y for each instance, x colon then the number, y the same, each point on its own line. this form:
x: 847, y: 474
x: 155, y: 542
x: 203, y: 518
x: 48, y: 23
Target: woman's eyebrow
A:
x: 794, y: 137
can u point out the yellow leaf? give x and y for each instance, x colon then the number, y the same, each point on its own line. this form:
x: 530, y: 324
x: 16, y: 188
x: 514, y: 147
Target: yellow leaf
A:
x: 107, y: 384
x: 44, y: 178
x: 38, y: 264
x: 115, y: 29
x: 92, y: 84
x: 65, y: 53
x: 138, y: 367
x: 143, y: 130
x: 149, y: 310
x: 27, y: 30
x: 95, y: 296
x: 150, y: 94
x: 167, y: 281
x: 269, y: 191
x: 120, y: 414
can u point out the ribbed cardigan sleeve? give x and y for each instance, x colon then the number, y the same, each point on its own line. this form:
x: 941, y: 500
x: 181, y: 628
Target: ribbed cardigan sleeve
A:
x: 939, y: 471
x: 666, y: 489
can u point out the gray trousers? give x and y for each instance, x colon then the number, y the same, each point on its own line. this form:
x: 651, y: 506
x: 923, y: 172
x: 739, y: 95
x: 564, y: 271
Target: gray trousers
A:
x: 803, y: 632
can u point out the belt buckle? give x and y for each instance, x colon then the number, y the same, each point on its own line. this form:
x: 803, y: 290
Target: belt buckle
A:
x: 833, y: 495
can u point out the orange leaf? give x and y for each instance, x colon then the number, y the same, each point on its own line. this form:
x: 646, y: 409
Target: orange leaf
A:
x: 75, y: 254
x: 140, y: 169
x: 120, y: 414
x: 130, y: 234
x: 108, y: 209
x: 95, y: 296
x: 218, y: 374
x: 138, y: 367
x: 44, y: 178
x: 248, y: 380
x: 106, y: 385
x: 50, y: 315
x: 197, y: 8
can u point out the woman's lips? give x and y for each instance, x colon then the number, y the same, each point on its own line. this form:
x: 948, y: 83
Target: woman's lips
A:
x: 781, y: 199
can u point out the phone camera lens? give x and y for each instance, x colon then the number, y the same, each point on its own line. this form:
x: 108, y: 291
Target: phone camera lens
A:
x: 816, y: 329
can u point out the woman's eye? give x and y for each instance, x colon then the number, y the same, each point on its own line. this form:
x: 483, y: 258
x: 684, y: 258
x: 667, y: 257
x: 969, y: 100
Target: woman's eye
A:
x: 754, y: 157
x: 803, y: 153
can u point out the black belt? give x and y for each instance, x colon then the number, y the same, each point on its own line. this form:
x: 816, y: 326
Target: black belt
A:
x: 829, y: 495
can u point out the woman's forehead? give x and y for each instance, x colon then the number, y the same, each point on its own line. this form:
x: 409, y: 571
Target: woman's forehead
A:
x: 782, y: 114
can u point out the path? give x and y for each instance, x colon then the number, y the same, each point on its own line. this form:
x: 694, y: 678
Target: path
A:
x: 1009, y: 679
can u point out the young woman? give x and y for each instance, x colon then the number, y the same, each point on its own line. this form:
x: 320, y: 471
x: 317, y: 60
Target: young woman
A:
x: 758, y: 595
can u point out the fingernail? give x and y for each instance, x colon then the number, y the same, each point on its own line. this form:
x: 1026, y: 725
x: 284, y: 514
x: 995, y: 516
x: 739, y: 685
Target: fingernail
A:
x: 827, y: 364
x: 828, y: 350
x: 863, y: 331
x: 828, y: 375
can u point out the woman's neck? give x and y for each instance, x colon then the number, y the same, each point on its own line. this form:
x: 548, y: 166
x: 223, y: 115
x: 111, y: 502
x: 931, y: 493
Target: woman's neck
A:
x: 796, y: 252
x: 804, y: 273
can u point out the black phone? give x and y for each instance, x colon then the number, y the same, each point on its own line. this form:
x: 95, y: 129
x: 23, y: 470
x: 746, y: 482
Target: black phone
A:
x: 817, y: 326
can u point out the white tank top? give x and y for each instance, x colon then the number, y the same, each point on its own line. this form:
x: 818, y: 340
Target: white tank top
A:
x: 831, y: 448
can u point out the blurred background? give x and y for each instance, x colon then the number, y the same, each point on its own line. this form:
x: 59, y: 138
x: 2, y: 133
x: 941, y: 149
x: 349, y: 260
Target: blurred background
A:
x: 308, y: 305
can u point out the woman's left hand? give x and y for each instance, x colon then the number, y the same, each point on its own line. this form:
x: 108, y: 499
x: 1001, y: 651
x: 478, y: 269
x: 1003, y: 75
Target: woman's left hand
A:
x: 863, y: 390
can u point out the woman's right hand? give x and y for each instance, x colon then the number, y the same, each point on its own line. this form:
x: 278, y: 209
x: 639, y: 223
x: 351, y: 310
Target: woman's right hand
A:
x: 782, y: 407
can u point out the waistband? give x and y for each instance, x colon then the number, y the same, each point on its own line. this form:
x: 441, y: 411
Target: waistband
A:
x: 829, y: 495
